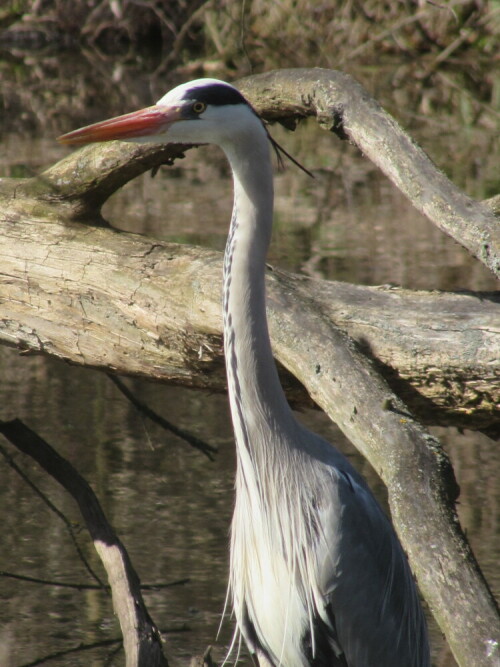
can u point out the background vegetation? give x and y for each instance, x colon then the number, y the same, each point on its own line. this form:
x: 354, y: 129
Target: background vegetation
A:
x: 423, y: 56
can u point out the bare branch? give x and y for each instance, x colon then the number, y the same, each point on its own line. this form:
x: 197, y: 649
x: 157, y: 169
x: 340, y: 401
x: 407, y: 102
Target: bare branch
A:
x: 141, y: 638
x: 191, y: 439
x: 343, y: 106
x: 126, y: 304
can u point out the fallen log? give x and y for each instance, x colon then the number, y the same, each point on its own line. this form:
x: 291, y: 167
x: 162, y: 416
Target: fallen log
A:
x: 124, y: 303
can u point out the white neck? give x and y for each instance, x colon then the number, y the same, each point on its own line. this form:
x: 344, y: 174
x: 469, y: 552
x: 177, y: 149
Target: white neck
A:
x: 258, y: 404
x: 266, y: 552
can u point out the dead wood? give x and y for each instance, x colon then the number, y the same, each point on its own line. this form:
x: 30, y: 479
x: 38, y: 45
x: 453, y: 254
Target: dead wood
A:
x: 124, y: 303
x: 343, y: 106
x: 141, y: 638
x: 117, y: 301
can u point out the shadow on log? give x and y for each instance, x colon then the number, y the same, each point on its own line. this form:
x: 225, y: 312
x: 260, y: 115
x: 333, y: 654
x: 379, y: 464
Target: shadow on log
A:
x: 125, y: 303
x: 70, y: 287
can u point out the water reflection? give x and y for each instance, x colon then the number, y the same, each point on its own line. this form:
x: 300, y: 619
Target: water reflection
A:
x: 349, y: 223
x: 169, y: 504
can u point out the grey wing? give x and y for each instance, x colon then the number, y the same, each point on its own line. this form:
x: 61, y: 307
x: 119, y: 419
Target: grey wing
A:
x: 371, y: 603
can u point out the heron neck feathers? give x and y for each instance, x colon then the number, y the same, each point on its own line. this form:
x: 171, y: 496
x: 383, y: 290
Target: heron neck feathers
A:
x: 256, y: 396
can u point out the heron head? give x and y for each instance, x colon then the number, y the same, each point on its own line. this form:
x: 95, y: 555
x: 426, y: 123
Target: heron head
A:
x: 201, y: 111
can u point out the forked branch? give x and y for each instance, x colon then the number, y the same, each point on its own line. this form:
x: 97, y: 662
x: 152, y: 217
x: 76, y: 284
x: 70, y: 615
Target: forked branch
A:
x: 343, y: 106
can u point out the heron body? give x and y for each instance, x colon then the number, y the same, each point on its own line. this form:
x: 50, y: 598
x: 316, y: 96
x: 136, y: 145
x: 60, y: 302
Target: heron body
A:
x: 317, y: 574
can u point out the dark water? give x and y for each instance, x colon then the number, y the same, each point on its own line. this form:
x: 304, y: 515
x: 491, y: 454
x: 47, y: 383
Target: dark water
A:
x: 170, y: 505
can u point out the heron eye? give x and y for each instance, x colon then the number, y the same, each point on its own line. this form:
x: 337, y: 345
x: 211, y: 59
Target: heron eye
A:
x: 199, y: 107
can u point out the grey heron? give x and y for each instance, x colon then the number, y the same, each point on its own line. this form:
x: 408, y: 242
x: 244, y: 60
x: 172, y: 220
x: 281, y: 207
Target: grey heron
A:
x: 317, y: 574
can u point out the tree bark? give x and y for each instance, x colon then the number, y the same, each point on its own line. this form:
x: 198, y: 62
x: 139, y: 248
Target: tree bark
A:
x: 117, y: 301
x: 122, y: 302
x: 343, y: 106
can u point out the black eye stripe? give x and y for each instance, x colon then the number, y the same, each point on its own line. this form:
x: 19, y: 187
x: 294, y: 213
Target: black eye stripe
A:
x: 215, y: 94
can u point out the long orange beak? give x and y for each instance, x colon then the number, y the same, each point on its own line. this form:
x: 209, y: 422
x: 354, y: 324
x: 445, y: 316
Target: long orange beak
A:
x: 146, y: 122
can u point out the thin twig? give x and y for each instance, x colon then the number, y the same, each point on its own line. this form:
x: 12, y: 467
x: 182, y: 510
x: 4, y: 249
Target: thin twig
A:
x: 58, y: 513
x: 400, y: 23
x: 179, y: 40
x: 100, y: 644
x: 70, y: 651
x: 191, y: 439
x: 62, y: 584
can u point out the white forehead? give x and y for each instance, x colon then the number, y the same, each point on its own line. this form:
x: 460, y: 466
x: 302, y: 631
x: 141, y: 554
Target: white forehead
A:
x: 177, y: 94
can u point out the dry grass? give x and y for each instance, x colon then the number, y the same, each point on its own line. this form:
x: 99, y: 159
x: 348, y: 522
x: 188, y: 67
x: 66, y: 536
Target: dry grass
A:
x: 420, y: 58
x: 431, y: 56
x: 334, y: 33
